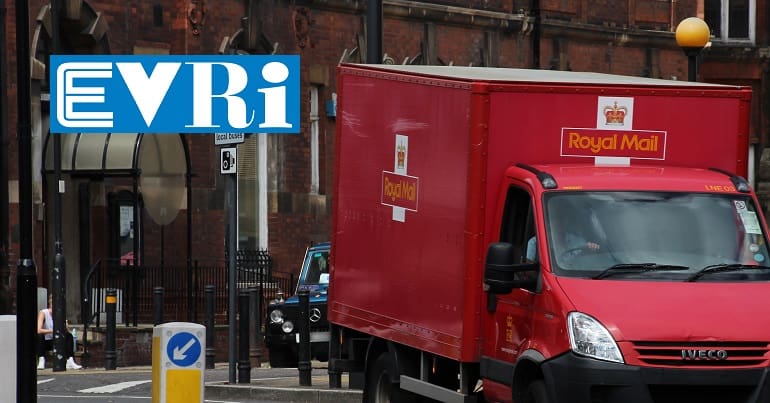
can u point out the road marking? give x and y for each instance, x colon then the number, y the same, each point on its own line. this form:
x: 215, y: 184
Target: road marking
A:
x: 95, y: 397
x: 116, y: 387
x: 126, y: 397
x: 45, y: 380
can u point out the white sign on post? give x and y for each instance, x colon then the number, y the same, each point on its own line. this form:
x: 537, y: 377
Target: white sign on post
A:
x: 228, y: 138
x: 228, y: 162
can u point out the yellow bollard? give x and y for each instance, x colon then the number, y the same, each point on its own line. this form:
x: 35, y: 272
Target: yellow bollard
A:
x: 178, y: 362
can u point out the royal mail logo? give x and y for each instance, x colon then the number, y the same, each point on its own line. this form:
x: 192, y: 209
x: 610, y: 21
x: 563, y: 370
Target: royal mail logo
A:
x: 175, y: 94
x: 615, y: 115
x: 400, y: 190
x: 400, y: 156
x: 644, y: 144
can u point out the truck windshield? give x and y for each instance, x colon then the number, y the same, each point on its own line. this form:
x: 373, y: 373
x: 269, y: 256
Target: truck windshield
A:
x: 666, y: 235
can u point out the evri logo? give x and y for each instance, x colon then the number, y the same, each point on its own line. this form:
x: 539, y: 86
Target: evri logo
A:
x: 175, y: 94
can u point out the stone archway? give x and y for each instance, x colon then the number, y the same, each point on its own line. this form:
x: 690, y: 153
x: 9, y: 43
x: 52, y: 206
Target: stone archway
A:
x: 82, y: 30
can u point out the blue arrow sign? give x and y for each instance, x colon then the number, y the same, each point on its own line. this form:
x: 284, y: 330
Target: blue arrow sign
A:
x: 183, y: 349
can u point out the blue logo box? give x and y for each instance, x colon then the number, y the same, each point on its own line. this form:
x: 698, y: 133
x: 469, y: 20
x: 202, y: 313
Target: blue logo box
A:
x: 175, y: 93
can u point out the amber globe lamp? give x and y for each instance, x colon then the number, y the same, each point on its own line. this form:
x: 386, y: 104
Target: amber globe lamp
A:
x: 692, y: 35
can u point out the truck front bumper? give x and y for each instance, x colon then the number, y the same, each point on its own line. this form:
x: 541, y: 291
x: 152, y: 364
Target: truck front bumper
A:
x: 572, y: 378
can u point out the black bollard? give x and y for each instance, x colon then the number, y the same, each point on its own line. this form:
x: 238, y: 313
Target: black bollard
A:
x: 304, y: 366
x: 210, y: 326
x: 111, y: 304
x: 244, y: 364
x: 260, y: 316
x: 335, y: 375
x: 157, y: 303
x: 253, y: 315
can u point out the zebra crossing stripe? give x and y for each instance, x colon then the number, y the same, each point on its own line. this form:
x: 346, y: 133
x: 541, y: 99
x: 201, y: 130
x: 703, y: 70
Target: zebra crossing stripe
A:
x: 115, y: 387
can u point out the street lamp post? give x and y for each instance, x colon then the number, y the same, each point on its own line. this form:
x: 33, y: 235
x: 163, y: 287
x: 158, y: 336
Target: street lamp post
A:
x: 692, y: 35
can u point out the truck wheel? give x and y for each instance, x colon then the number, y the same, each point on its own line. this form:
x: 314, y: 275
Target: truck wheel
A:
x: 537, y: 393
x: 379, y: 388
x: 282, y: 358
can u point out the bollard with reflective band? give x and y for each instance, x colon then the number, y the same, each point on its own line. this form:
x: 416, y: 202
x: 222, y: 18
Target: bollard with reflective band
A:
x: 210, y: 353
x: 110, y: 353
x: 178, y: 362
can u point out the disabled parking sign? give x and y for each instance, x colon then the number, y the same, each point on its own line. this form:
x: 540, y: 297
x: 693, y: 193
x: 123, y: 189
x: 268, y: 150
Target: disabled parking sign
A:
x: 183, y: 349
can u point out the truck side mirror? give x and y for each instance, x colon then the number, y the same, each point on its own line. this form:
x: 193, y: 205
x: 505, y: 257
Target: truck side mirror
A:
x: 499, y: 273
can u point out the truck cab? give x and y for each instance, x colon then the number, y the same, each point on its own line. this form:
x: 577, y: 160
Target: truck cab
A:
x: 282, y: 331
x: 619, y: 274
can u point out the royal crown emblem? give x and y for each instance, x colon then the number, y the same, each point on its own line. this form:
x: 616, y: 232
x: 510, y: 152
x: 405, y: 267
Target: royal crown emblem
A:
x: 400, y: 155
x: 614, y: 114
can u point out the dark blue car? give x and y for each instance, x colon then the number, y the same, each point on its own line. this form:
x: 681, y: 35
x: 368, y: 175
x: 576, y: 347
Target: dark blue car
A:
x: 281, y: 329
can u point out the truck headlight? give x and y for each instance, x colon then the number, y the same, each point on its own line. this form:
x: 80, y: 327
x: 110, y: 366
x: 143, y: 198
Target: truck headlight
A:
x: 590, y: 338
x: 276, y: 316
x: 287, y: 326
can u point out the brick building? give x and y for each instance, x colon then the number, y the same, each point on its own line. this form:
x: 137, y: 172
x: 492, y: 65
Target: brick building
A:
x: 285, y: 180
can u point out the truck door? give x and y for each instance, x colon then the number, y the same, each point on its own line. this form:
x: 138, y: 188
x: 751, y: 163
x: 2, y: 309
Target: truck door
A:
x: 512, y: 324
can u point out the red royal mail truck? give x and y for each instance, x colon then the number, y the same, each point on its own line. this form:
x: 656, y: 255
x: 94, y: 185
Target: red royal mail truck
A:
x: 543, y: 236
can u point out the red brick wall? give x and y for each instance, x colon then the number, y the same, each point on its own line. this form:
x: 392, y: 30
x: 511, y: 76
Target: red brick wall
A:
x: 324, y: 31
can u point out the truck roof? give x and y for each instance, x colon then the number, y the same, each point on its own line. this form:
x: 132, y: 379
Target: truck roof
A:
x: 638, y: 178
x: 468, y: 73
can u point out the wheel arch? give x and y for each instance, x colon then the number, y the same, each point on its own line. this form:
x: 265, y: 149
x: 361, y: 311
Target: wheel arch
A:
x: 526, y: 370
x: 398, y: 357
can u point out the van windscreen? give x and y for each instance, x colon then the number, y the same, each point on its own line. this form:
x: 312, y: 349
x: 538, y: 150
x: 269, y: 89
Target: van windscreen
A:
x: 589, y: 232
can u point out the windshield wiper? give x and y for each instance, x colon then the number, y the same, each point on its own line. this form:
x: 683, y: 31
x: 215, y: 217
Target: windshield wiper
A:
x: 721, y: 268
x: 637, y: 268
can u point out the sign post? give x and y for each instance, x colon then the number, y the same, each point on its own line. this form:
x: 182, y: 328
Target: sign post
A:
x: 178, y: 362
x: 228, y: 166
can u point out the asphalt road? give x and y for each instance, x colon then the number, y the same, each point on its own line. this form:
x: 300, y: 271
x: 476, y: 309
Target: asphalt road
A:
x: 132, y: 385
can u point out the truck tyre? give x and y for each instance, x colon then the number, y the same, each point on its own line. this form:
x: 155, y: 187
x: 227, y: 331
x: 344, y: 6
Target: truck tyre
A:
x: 379, y: 388
x: 537, y: 393
x: 282, y: 358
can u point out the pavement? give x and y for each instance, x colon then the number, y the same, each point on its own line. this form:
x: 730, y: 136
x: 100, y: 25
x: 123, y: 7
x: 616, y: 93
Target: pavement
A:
x: 283, y: 390
x: 265, y: 386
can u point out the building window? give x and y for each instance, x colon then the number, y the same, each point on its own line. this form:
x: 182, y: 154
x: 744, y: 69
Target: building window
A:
x: 731, y: 20
x: 252, y: 192
x: 314, y: 176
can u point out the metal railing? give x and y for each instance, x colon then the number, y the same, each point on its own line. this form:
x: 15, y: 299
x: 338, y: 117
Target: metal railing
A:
x: 184, y: 297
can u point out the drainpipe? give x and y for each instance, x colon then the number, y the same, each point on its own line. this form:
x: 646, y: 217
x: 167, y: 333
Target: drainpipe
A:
x: 373, y: 31
x: 536, y: 34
